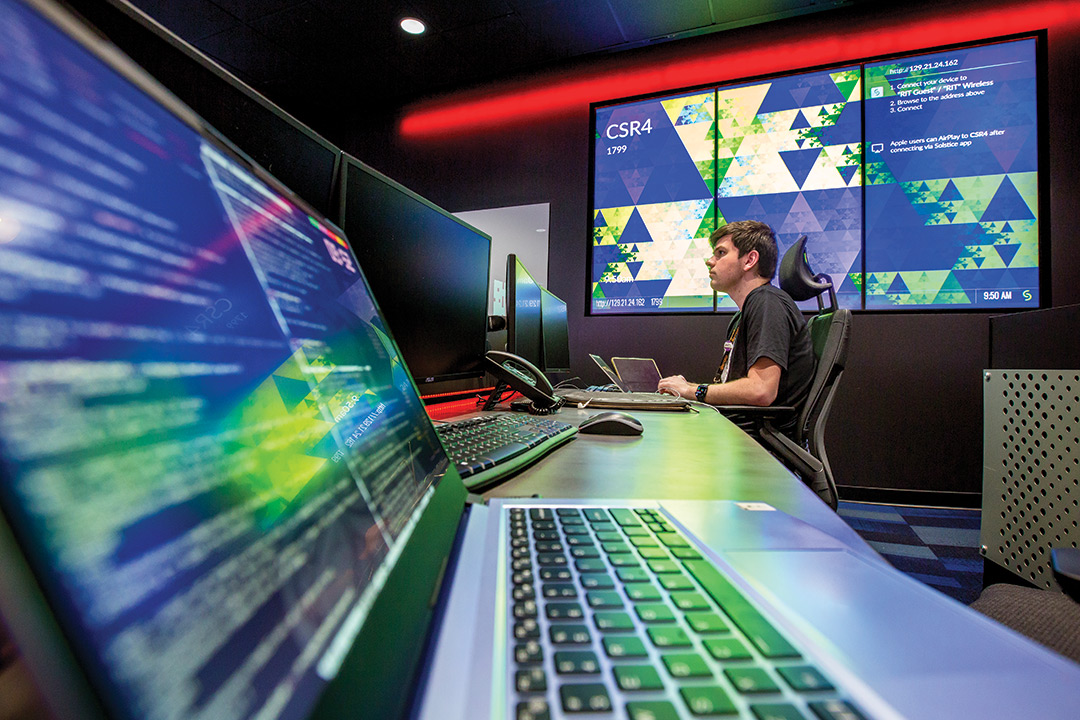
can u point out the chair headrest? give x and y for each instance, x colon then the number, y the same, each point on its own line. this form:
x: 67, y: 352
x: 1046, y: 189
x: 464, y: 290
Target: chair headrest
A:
x: 796, y: 277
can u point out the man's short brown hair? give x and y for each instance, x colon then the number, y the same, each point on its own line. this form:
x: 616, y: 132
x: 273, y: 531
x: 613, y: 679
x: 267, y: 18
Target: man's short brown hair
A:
x: 747, y: 235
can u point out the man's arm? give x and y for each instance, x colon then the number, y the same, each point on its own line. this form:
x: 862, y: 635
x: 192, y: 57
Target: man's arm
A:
x: 759, y: 387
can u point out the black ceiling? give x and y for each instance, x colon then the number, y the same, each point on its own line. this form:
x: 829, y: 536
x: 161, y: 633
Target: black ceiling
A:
x: 353, y: 50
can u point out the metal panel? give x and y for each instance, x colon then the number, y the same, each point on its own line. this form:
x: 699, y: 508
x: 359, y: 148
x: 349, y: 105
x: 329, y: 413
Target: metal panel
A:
x: 1031, y: 469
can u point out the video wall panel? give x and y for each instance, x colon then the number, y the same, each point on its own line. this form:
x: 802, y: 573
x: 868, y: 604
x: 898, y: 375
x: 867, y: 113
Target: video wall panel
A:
x: 952, y: 179
x: 940, y: 211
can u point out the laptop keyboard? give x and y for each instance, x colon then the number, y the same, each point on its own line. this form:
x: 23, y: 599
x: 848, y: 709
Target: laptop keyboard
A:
x: 487, y: 448
x: 613, y: 612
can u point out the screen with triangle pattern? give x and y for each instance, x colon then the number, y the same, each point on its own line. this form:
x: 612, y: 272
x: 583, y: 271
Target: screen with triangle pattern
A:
x: 915, y: 180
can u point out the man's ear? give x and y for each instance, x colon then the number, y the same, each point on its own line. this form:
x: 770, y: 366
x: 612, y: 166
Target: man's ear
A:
x: 750, y: 259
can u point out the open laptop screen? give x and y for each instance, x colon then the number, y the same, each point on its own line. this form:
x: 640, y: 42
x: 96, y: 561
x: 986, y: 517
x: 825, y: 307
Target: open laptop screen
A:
x: 209, y: 448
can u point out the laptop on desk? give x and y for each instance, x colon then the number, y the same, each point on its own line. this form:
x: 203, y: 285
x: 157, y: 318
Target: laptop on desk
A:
x: 639, y: 395
x: 245, y: 512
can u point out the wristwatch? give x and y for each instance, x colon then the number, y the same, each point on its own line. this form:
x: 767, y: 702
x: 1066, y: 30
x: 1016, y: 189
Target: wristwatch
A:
x: 702, y: 391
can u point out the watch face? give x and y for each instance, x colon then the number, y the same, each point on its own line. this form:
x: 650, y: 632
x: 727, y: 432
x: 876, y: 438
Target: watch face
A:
x: 702, y: 390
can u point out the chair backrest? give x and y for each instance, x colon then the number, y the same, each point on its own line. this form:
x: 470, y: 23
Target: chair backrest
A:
x: 830, y: 334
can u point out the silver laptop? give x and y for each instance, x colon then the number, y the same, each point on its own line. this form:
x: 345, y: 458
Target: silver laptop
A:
x: 222, y: 497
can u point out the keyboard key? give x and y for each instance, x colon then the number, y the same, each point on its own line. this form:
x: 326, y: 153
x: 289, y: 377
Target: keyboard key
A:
x: 556, y: 575
x: 751, y: 680
x: 727, y: 649
x: 689, y: 601
x: 643, y: 592
x: 624, y: 517
x: 596, y: 581
x: 569, y: 634
x: 654, y: 613
x: 563, y: 611
x: 653, y: 553
x: 596, y: 515
x: 576, y: 662
x: 654, y: 710
x: 603, y: 599
x: 523, y: 592
x: 686, y: 553
x: 611, y: 536
x: 551, y: 559
x: 672, y: 540
x: 557, y: 591
x: 759, y: 631
x: 531, y: 680
x: 528, y: 653
x: 633, y: 574
x: 676, y: 582
x: 613, y: 621
x: 668, y: 636
x: 588, y: 697
x: 614, y: 547
x: 588, y: 565
x: 624, y: 646
x: 535, y: 709
x: 638, y: 677
x: 623, y: 560
x: 584, y: 551
x: 549, y: 547
x: 603, y: 527
x: 637, y: 532
x: 704, y: 623
x: 541, y: 514
x: 776, y: 711
x: 565, y: 513
x: 643, y: 541
x: 708, y: 700
x: 804, y: 678
x: 836, y: 710
x: 663, y: 566
x: 526, y: 629
x: 525, y: 609
x: 686, y: 665
x: 575, y: 540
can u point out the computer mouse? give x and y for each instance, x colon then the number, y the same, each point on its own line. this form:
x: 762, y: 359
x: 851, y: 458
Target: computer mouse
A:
x: 611, y: 423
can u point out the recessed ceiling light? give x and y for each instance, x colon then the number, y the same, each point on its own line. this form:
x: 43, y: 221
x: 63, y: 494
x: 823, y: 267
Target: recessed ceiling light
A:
x: 413, y: 26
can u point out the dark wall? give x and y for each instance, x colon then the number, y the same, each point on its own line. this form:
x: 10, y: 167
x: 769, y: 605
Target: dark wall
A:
x: 908, y: 414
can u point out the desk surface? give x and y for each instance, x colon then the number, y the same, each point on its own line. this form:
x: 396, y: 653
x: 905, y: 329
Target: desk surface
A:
x: 680, y: 456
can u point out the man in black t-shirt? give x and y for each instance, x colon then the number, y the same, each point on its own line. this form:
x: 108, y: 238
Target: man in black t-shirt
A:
x: 768, y: 357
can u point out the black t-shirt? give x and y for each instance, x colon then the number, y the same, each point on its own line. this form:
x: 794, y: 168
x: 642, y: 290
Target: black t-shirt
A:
x: 771, y: 325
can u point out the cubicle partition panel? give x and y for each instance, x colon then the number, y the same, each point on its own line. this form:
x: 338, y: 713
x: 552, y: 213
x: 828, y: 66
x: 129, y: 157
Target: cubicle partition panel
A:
x: 1031, y: 469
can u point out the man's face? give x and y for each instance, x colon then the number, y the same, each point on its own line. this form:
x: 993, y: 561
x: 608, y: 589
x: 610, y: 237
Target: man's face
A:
x: 725, y: 266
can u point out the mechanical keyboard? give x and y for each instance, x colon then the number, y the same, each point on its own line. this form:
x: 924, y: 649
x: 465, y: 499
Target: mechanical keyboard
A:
x: 488, y: 448
x: 614, y: 611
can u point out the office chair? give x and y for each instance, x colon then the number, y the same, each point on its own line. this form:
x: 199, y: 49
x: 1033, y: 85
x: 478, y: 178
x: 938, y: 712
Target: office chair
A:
x: 1049, y: 617
x: 830, y: 332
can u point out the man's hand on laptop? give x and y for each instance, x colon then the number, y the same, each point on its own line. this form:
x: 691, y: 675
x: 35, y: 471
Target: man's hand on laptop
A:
x: 676, y: 385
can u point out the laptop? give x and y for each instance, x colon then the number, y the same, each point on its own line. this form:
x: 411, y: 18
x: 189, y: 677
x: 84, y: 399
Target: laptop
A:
x: 626, y: 398
x: 638, y: 374
x: 222, y: 498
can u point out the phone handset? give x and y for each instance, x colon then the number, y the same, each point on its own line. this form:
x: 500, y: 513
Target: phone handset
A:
x: 521, y: 375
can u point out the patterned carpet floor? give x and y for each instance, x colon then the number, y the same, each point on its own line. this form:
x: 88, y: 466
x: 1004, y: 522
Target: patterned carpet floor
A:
x: 937, y: 546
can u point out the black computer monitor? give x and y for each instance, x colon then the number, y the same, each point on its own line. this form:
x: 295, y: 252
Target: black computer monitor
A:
x: 556, y: 333
x: 428, y: 270
x: 524, y: 325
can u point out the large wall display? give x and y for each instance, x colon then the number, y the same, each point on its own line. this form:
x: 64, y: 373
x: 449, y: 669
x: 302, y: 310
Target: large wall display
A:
x: 914, y: 179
